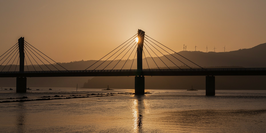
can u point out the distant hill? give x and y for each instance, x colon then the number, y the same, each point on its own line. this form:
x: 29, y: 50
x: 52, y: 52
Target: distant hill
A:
x: 253, y: 57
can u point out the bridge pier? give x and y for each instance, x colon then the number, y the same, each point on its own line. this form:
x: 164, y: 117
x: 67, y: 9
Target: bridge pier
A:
x: 139, y: 85
x: 210, y: 85
x: 21, y: 85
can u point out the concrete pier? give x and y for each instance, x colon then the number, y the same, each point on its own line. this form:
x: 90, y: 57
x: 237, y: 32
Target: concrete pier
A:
x: 210, y: 85
x: 21, y: 86
x: 139, y: 85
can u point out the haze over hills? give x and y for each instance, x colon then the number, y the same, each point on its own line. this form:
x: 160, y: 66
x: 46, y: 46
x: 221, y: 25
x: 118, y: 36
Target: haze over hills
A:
x: 252, y: 57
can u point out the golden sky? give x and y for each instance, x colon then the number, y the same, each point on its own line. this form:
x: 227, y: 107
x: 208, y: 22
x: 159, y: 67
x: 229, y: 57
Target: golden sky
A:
x: 71, y: 30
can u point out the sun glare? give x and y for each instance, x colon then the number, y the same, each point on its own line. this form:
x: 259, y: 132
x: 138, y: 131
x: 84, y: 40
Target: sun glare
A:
x: 137, y: 39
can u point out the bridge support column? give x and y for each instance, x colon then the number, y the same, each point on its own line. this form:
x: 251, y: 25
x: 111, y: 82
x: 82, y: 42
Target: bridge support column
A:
x: 210, y: 85
x: 139, y: 79
x: 21, y: 81
x: 139, y: 85
x: 21, y: 85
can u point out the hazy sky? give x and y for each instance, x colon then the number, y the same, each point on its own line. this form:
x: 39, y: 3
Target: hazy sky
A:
x: 69, y: 30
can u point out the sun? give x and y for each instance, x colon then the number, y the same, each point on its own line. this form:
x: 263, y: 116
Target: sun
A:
x: 137, y: 39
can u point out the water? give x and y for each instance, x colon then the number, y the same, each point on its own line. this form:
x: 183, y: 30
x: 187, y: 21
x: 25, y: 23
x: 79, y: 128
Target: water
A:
x: 163, y: 111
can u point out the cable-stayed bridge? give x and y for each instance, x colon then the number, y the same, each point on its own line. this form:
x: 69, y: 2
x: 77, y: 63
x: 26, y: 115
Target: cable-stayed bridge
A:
x: 139, y: 56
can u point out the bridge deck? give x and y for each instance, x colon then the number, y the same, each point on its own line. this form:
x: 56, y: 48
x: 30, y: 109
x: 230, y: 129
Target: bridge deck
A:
x: 146, y: 72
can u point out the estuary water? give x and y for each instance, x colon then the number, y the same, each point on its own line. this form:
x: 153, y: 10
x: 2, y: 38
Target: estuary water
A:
x: 114, y: 111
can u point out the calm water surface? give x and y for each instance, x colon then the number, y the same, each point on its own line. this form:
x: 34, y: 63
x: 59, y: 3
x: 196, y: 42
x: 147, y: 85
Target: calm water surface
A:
x: 163, y: 111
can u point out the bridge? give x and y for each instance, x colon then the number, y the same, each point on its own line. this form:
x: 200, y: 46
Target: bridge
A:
x: 150, y: 72
x: 180, y: 66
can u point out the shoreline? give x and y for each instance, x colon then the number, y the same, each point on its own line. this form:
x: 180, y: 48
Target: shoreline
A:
x: 61, y: 96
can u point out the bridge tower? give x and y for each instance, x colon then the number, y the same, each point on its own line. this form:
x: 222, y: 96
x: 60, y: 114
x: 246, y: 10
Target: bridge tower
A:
x: 139, y: 78
x: 21, y: 80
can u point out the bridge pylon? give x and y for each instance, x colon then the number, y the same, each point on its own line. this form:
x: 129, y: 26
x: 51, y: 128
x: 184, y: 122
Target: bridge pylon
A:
x: 21, y: 83
x: 139, y: 78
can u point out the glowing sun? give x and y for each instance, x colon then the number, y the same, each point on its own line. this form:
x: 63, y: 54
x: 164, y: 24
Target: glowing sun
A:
x: 137, y: 39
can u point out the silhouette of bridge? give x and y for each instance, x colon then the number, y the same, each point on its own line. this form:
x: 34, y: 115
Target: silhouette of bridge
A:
x: 39, y: 64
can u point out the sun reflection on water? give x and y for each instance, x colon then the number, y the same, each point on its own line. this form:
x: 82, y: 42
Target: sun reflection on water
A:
x: 138, y: 111
x: 135, y: 114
